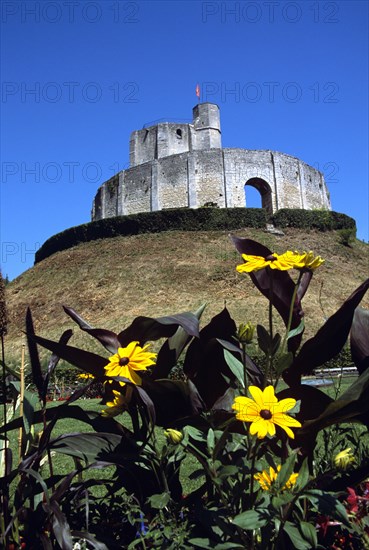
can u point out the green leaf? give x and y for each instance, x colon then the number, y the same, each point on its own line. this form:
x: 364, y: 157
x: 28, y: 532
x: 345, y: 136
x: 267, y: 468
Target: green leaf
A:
x: 286, y: 470
x: 303, y: 477
x: 309, y: 533
x: 235, y: 366
x: 30, y: 403
x: 281, y: 500
x: 298, y: 542
x: 196, y: 434
x: 251, y: 519
x: 159, y: 501
x: 229, y: 471
x: 210, y: 440
x: 298, y: 330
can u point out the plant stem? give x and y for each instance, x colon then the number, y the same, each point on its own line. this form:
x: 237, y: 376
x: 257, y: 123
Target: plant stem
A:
x: 244, y: 361
x: 268, y: 374
x: 292, y: 305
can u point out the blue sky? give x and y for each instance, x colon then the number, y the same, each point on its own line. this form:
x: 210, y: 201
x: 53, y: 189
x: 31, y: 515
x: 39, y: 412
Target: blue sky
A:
x: 78, y: 76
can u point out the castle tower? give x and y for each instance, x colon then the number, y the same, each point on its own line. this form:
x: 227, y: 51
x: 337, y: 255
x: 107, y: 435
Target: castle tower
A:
x: 206, y: 121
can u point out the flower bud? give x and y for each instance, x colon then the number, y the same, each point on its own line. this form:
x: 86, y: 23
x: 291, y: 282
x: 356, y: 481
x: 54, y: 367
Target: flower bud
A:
x: 173, y: 436
x: 344, y: 459
x: 245, y: 333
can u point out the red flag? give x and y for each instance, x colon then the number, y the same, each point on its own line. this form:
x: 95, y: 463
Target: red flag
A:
x: 198, y: 91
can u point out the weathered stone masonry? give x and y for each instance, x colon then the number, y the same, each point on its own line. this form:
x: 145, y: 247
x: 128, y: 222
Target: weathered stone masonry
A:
x: 184, y: 165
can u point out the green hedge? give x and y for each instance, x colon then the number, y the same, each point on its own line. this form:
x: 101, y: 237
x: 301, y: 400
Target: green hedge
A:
x: 201, y: 219
x: 322, y: 220
x: 187, y: 219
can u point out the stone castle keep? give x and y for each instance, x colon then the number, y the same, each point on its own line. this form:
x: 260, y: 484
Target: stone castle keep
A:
x: 175, y: 165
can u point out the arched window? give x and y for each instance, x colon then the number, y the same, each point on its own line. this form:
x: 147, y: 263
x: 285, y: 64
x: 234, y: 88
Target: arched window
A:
x: 179, y: 133
x: 258, y: 194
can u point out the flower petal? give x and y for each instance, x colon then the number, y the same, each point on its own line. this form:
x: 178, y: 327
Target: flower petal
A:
x: 257, y: 396
x: 260, y: 428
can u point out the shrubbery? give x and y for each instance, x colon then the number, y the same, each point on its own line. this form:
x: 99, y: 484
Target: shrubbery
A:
x: 347, y: 236
x: 322, y: 220
x: 188, y: 219
x: 183, y: 219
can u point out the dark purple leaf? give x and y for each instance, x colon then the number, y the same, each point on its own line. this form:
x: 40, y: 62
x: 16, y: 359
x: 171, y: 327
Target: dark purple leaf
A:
x: 106, y: 337
x: 77, y: 318
x: 54, y: 360
x: 84, y: 360
x: 61, y: 527
x: 280, y: 290
x: 205, y: 364
x: 91, y: 447
x: 77, y: 394
x: 173, y: 400
x: 313, y: 402
x: 91, y: 418
x: 359, y: 339
x: 37, y: 376
x: 171, y: 350
x: 350, y: 406
x: 144, y: 329
x: 328, y: 341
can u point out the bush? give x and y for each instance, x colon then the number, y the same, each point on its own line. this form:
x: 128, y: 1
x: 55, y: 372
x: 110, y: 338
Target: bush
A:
x: 183, y: 219
x: 322, y: 220
x: 347, y: 236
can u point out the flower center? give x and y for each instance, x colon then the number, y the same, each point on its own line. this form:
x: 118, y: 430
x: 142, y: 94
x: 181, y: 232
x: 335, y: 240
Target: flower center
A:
x: 266, y: 414
x: 270, y: 258
x: 123, y: 361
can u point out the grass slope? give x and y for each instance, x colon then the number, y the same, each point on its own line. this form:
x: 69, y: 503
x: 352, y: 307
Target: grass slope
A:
x: 111, y: 281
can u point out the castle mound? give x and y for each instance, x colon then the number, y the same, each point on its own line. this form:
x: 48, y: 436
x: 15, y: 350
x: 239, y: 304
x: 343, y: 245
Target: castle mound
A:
x: 111, y: 281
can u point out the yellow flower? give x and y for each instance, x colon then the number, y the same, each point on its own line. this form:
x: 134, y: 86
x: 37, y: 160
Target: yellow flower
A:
x: 85, y: 375
x: 343, y: 459
x: 173, y: 436
x: 282, y: 262
x: 255, y: 263
x: 264, y: 411
x: 305, y: 260
x: 245, y: 333
x: 118, y: 405
x: 266, y: 479
x: 128, y: 360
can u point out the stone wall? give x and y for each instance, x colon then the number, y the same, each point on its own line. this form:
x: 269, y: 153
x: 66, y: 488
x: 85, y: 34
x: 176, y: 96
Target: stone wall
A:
x: 175, y: 165
x: 194, y: 179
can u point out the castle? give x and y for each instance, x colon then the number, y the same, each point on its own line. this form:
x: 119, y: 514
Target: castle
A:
x: 176, y: 165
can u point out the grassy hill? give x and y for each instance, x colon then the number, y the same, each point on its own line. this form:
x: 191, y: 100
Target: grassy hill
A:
x: 111, y: 281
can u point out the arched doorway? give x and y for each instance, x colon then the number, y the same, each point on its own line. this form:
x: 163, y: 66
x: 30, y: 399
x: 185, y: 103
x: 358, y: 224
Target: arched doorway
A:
x: 265, y: 194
